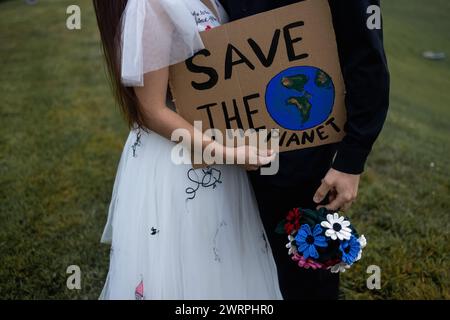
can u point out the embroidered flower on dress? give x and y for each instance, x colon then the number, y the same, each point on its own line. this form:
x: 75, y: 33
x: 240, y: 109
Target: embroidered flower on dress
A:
x: 211, y: 177
x: 337, y: 227
x: 137, y: 143
x: 139, y: 292
x: 215, y: 248
x: 266, y: 245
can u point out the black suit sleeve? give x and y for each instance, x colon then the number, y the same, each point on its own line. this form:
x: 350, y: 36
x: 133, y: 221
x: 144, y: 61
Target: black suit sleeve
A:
x: 366, y: 77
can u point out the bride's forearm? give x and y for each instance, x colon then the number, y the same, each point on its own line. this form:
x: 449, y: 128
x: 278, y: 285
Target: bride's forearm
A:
x: 164, y: 121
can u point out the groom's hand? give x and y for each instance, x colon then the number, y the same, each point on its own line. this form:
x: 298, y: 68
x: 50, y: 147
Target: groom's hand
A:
x: 341, y: 188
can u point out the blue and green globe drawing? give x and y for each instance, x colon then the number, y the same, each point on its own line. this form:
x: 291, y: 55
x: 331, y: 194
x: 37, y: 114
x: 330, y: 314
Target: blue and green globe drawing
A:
x: 300, y: 98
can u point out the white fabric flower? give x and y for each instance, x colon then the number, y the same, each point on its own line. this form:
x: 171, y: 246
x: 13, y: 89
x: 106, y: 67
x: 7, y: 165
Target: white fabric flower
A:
x: 292, y: 248
x: 337, y: 227
x: 340, y: 267
x: 363, y: 242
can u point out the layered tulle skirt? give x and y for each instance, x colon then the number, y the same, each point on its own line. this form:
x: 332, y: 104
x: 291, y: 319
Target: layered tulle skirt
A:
x: 180, y: 233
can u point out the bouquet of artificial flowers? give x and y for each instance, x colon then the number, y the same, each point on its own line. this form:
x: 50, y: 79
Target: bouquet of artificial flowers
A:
x: 321, y: 239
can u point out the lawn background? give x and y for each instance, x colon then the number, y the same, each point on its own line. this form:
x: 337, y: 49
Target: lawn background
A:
x: 61, y: 136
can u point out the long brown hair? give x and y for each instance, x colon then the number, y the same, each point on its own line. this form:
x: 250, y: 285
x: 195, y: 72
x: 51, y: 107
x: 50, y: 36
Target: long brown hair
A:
x: 109, y: 14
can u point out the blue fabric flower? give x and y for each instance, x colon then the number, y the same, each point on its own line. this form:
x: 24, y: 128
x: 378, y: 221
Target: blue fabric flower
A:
x: 307, y: 241
x: 350, y: 250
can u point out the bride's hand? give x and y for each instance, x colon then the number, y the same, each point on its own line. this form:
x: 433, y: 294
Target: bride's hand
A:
x: 251, y: 158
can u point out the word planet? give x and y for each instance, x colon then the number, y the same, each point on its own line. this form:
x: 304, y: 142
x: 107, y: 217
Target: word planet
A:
x: 300, y: 98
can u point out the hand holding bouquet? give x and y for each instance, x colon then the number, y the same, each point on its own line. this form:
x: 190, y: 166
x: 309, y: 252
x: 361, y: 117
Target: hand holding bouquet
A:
x: 321, y: 239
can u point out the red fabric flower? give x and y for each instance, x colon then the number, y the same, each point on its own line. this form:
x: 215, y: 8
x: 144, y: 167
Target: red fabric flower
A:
x: 331, y: 262
x: 292, y: 221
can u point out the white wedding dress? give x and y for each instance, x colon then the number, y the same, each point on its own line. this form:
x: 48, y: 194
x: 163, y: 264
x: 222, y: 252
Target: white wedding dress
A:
x: 180, y: 233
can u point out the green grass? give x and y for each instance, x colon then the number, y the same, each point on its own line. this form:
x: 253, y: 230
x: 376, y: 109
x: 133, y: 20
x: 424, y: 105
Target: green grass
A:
x: 61, y: 136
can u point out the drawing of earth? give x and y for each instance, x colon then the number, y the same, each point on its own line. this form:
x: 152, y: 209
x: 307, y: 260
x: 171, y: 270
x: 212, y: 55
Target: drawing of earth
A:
x: 300, y: 98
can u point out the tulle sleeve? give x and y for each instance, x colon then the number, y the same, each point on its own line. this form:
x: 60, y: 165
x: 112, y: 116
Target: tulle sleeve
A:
x: 156, y: 34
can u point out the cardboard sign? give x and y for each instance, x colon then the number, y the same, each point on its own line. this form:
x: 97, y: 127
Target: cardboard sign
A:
x: 279, y: 69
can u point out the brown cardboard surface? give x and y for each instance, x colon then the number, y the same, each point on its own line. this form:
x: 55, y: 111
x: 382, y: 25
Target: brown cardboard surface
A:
x: 251, y: 81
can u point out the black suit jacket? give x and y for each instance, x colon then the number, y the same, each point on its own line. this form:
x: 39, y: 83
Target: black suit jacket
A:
x: 366, y: 77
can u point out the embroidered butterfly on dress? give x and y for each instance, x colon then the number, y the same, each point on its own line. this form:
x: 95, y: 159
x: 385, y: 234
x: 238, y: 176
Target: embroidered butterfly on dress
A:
x: 139, y: 292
